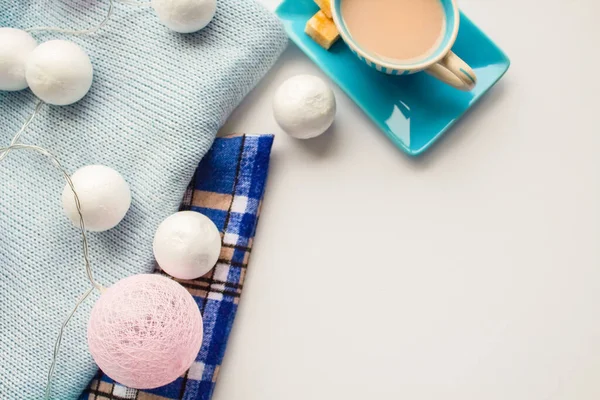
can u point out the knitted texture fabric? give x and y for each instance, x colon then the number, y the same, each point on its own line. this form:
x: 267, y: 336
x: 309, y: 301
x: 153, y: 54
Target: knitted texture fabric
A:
x: 157, y: 101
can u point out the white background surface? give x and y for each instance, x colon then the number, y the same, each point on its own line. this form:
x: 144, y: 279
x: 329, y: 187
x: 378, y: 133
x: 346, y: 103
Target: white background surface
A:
x: 470, y: 273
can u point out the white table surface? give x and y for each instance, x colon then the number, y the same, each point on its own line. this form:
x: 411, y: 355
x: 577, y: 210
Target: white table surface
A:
x: 470, y: 273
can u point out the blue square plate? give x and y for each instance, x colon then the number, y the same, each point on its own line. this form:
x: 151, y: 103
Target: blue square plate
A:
x: 415, y: 110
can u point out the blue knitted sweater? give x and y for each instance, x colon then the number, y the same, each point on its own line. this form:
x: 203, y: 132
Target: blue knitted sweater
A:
x: 157, y: 101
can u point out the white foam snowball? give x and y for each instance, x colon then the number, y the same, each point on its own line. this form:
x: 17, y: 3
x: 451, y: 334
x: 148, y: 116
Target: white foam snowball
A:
x: 59, y: 72
x: 15, y: 47
x: 187, y: 245
x: 304, y: 106
x: 185, y: 16
x: 104, y: 196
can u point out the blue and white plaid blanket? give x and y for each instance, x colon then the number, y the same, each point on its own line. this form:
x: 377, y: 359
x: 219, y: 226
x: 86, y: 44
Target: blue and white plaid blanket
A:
x: 227, y: 187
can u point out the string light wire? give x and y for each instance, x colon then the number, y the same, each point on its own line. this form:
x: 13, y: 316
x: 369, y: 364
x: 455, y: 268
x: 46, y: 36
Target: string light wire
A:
x: 136, y: 3
x: 89, y: 31
x: 14, y: 145
x: 88, y: 268
x: 59, y: 342
x: 16, y: 138
x: 57, y: 163
x: 94, y: 29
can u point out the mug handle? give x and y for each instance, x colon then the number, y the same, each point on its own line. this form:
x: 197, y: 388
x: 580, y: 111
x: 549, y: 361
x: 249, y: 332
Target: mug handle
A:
x: 454, y: 71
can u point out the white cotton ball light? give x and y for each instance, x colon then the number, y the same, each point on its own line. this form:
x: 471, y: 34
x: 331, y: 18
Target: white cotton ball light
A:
x: 304, y: 106
x: 59, y: 72
x: 145, y: 331
x: 187, y: 245
x: 15, y: 47
x: 104, y: 196
x: 185, y: 16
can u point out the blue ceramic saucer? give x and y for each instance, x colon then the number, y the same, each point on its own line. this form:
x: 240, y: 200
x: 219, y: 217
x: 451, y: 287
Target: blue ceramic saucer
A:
x: 414, y: 110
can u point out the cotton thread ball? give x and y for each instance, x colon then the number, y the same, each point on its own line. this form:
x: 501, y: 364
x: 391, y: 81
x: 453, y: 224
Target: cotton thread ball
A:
x: 103, y: 194
x: 185, y: 16
x: 187, y: 245
x: 304, y: 106
x: 145, y: 331
x: 15, y: 47
x: 59, y: 72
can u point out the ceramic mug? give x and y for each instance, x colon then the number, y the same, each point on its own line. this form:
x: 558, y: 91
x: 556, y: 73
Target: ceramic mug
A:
x: 442, y: 63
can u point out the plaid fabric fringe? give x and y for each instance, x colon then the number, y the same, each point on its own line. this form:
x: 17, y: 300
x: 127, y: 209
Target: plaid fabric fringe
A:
x: 228, y: 187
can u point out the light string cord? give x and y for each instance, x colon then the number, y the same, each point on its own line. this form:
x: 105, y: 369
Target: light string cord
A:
x: 56, y: 162
x: 15, y: 146
x: 16, y: 138
x: 88, y: 31
x: 136, y: 3
x: 95, y: 285
x: 94, y: 29
x: 59, y: 342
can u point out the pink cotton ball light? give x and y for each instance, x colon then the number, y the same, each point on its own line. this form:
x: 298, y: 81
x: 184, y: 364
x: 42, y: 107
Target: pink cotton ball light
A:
x: 145, y: 331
